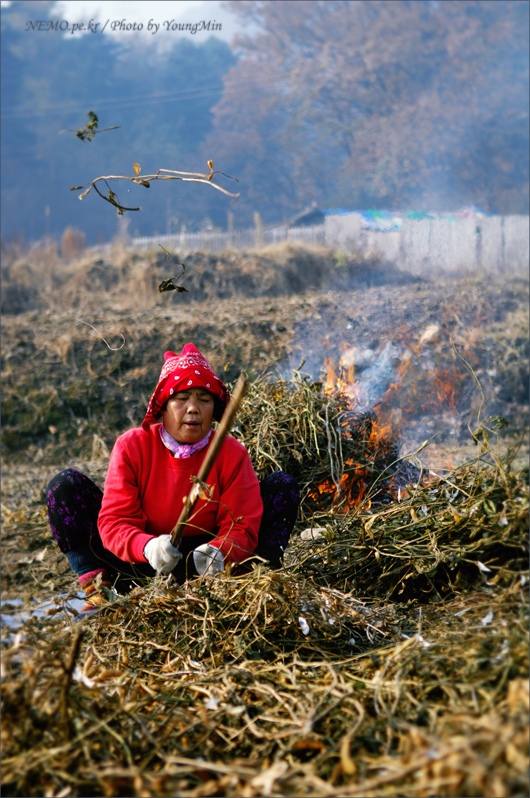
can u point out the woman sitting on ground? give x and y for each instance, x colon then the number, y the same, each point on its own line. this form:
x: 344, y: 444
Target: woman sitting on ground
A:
x: 113, y: 537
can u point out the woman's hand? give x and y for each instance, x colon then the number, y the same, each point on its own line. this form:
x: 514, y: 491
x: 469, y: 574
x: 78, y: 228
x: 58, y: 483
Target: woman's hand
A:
x: 161, y: 554
x: 208, y: 559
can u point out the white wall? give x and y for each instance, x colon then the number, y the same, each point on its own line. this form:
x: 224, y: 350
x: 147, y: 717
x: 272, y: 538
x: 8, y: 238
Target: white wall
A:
x: 488, y: 245
x: 495, y: 244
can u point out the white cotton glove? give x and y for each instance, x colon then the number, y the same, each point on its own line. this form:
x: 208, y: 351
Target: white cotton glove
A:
x: 161, y: 554
x: 208, y: 559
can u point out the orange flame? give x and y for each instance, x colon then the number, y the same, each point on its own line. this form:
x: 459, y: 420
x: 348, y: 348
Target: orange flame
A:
x: 417, y: 389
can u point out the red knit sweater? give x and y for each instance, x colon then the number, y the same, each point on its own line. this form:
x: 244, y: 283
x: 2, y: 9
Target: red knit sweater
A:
x: 146, y: 485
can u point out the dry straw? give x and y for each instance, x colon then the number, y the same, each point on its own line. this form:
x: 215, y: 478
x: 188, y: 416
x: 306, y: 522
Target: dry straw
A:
x: 320, y: 440
x: 215, y: 689
x: 388, y: 657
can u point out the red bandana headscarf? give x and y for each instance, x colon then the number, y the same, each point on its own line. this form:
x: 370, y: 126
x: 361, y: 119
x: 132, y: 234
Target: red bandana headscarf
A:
x: 179, y: 372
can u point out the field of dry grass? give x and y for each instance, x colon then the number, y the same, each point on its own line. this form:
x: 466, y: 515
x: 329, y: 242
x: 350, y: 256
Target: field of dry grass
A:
x: 413, y: 677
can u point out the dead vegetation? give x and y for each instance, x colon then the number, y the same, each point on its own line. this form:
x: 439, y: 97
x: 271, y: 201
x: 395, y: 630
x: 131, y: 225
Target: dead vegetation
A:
x: 121, y: 278
x: 270, y: 683
x: 389, y: 656
x: 298, y: 303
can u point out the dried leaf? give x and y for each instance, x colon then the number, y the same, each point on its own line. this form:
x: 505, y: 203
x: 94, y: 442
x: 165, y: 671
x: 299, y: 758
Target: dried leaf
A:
x: 479, y: 433
x: 169, y: 285
x: 369, y: 522
x: 204, y: 490
x: 454, y: 513
x: 497, y: 422
x: 83, y: 195
x: 136, y: 167
x: 88, y: 132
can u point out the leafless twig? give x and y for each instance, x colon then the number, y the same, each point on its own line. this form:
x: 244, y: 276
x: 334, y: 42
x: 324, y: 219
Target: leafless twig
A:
x: 146, y: 180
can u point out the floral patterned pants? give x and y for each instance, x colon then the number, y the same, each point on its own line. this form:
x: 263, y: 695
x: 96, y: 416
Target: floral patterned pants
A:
x: 74, y: 502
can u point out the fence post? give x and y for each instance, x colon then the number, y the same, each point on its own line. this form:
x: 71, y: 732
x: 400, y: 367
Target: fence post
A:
x: 259, y: 229
x: 503, y: 247
x: 230, y: 227
x: 478, y: 247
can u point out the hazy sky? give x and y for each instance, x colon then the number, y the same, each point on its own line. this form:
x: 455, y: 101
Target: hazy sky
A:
x: 107, y: 12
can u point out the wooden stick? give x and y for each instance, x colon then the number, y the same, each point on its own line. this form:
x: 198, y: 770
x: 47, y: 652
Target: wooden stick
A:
x: 221, y: 432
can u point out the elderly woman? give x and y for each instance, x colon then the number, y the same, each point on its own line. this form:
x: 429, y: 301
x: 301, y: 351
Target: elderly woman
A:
x: 124, y: 533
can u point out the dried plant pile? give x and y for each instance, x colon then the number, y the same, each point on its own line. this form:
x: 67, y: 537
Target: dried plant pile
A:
x: 261, y: 615
x: 269, y: 683
x: 388, y: 657
x: 157, y: 698
x: 319, y: 440
x: 447, y: 534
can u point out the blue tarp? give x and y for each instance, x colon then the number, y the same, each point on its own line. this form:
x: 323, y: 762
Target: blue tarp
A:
x: 337, y: 211
x: 371, y: 219
x: 383, y: 221
x: 386, y: 221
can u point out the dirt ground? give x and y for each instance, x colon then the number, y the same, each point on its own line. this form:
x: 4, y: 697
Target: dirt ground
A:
x: 66, y: 396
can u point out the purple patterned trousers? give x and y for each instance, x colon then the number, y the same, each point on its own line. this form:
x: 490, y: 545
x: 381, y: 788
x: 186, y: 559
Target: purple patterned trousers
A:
x: 74, y: 502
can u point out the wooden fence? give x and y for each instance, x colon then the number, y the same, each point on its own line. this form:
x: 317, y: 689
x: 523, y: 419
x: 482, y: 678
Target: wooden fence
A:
x: 479, y: 245
x: 495, y: 244
x: 237, y: 239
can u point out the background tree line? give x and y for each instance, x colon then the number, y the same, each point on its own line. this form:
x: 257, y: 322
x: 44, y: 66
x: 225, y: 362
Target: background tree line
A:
x: 161, y: 101
x: 374, y: 103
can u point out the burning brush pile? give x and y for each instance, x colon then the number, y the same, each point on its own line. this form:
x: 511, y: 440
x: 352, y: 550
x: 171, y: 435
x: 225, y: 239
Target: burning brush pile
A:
x: 389, y: 656
x: 340, y: 455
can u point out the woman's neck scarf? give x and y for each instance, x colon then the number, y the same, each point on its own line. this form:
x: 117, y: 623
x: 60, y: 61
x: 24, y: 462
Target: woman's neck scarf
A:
x: 182, y: 450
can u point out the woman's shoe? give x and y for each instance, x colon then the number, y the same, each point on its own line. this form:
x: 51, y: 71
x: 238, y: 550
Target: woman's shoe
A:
x: 95, y: 595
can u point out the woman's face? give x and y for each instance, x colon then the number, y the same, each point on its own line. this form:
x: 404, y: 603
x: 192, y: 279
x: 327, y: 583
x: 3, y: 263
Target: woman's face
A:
x: 188, y: 415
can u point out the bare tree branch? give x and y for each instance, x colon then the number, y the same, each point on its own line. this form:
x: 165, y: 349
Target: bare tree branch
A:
x: 146, y: 180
